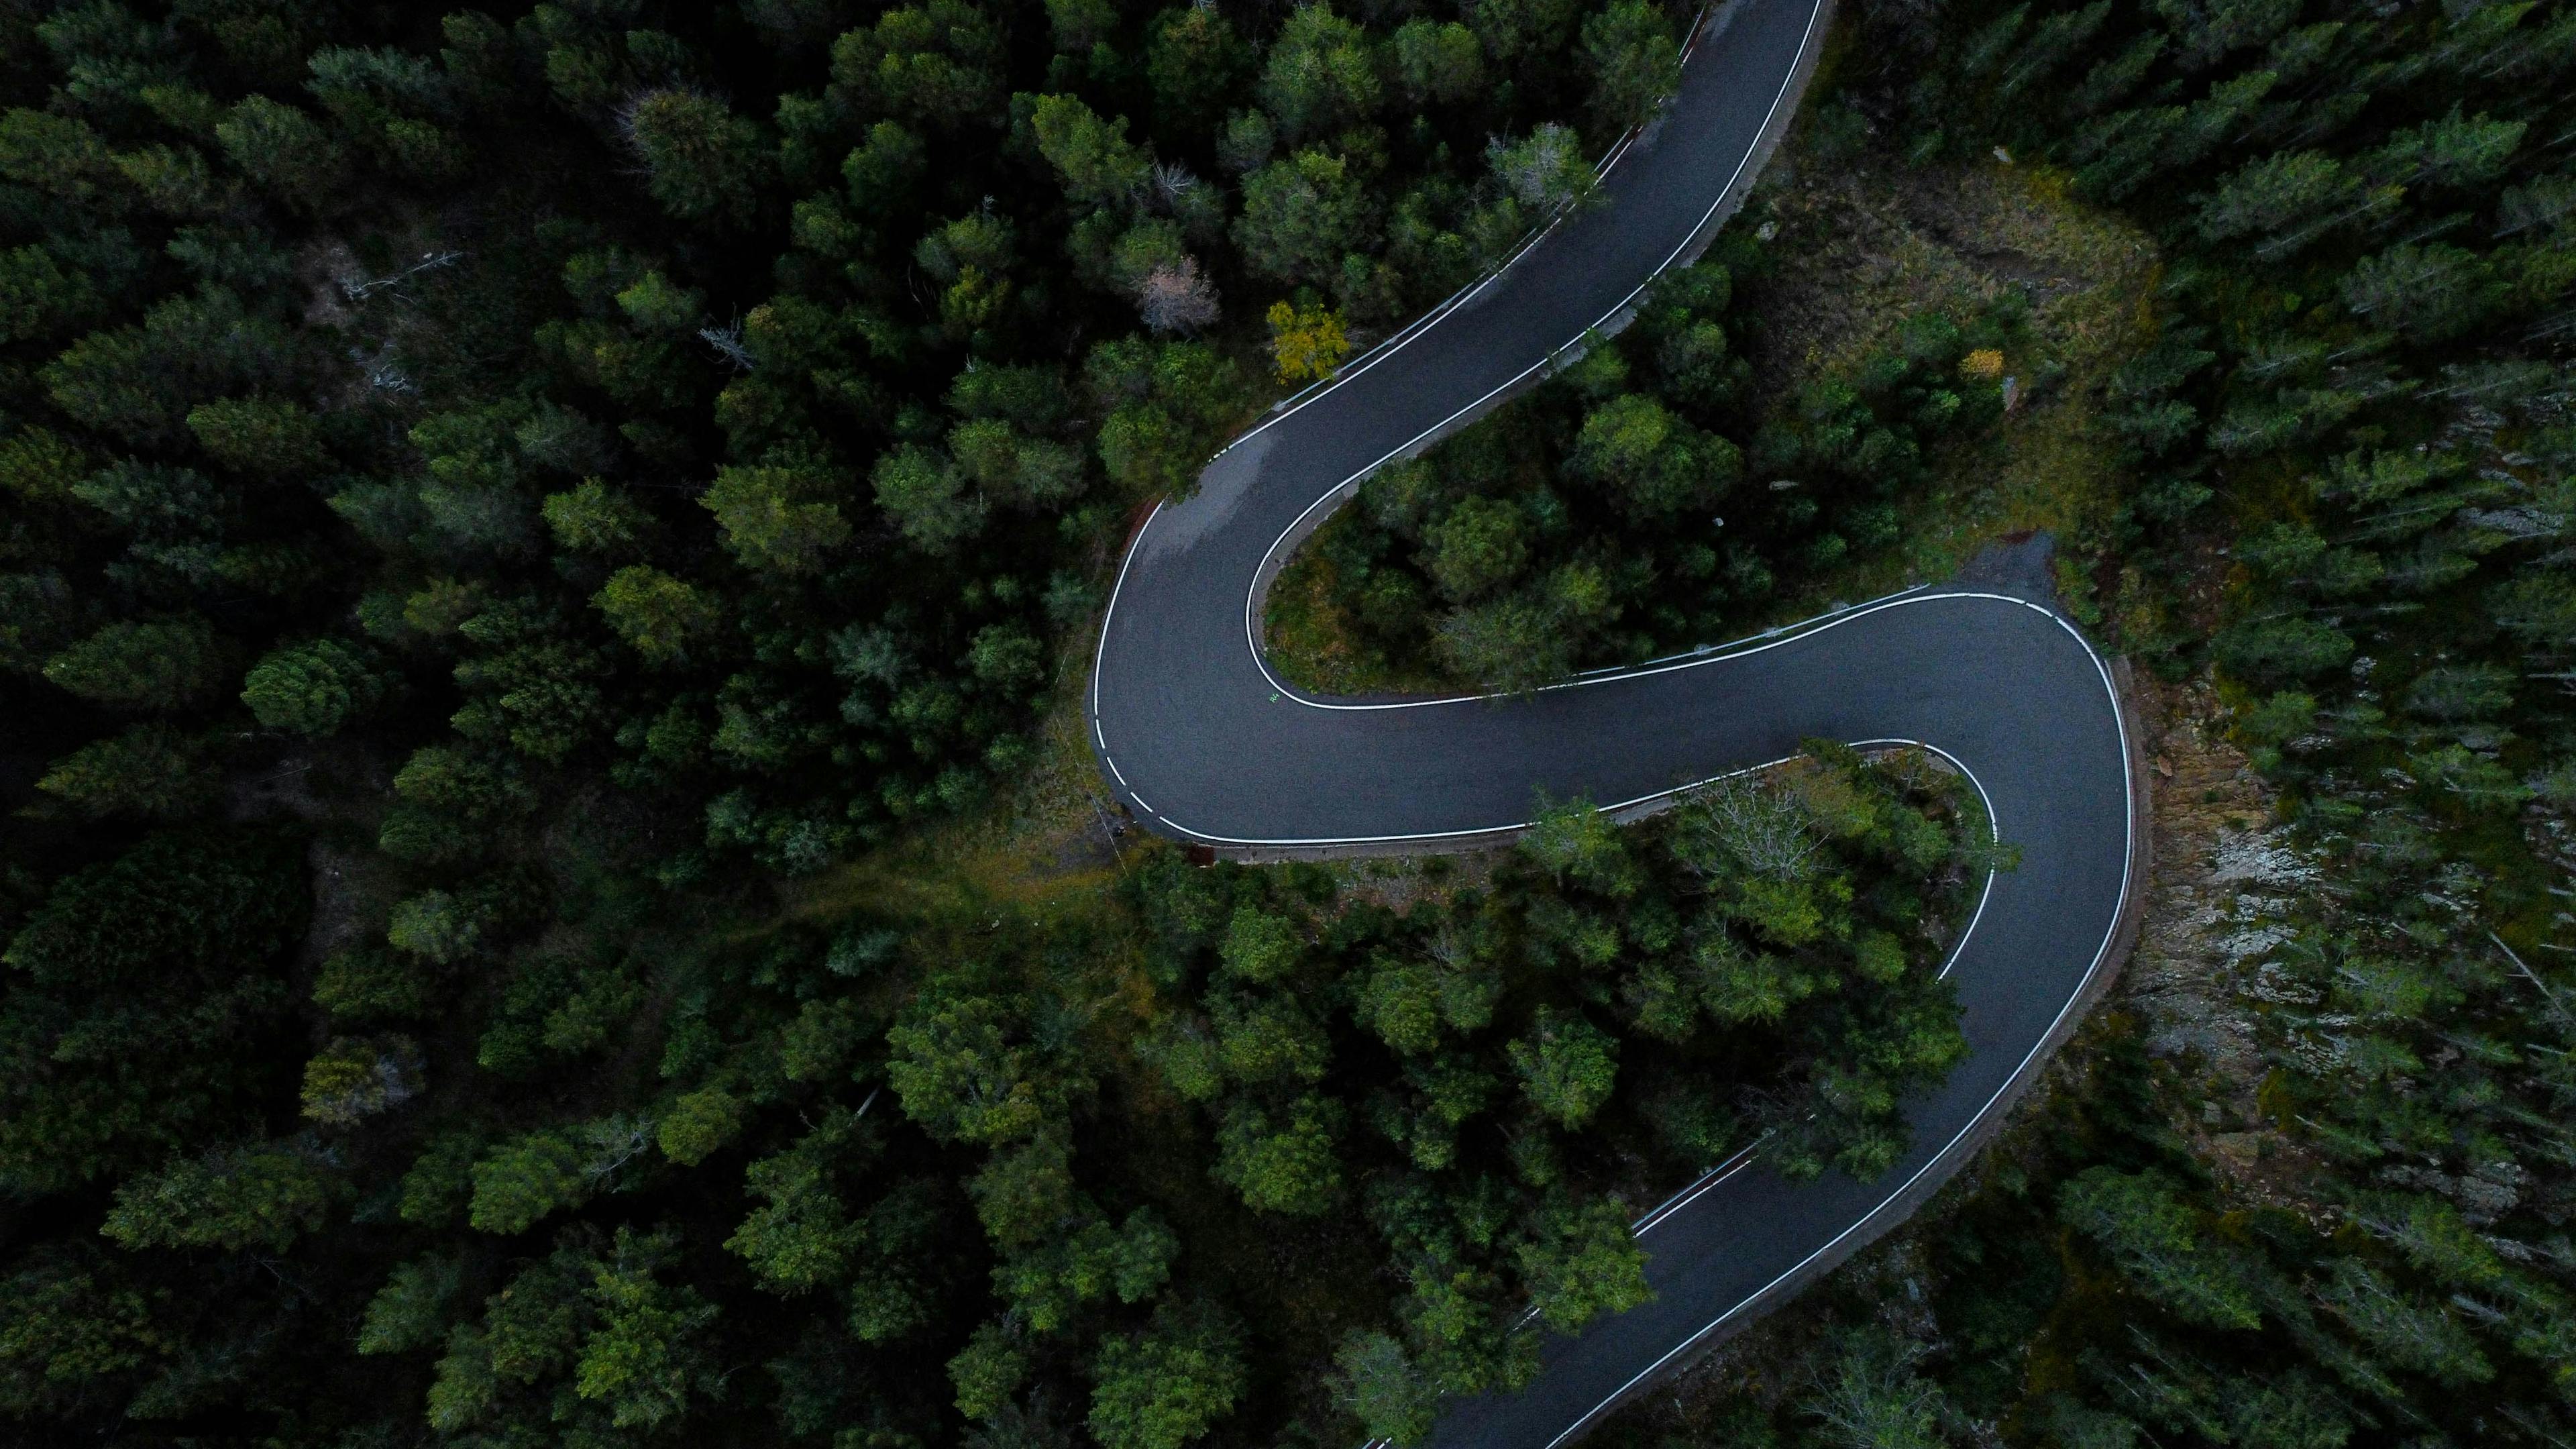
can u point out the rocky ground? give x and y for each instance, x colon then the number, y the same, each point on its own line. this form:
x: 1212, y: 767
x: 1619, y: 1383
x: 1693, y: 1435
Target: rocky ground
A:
x: 2224, y: 871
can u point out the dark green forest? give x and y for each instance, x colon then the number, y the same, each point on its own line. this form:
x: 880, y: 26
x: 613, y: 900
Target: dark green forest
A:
x: 1611, y: 516
x: 2346, y: 443
x: 489, y: 497
x: 494, y: 505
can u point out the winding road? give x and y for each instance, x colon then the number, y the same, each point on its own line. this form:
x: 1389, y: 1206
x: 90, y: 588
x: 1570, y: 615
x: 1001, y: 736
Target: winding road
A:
x: 1206, y: 746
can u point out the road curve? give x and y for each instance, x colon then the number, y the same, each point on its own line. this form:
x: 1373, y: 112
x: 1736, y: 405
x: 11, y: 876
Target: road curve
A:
x: 1205, y: 745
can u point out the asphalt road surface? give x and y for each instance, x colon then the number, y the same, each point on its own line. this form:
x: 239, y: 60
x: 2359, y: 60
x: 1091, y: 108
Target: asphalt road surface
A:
x: 1205, y: 746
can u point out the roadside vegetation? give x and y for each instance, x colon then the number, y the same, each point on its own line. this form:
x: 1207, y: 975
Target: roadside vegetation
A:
x: 552, y: 892
x: 1355, y: 1120
x: 551, y: 897
x: 2309, y: 1184
x: 1878, y: 369
x: 1642, y: 500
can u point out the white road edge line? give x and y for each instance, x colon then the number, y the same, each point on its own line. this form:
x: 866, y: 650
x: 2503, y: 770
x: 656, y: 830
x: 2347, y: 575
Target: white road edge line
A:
x: 1728, y: 654
x: 2128, y: 852
x: 1741, y: 1160
x: 1252, y: 592
x: 1994, y: 836
x: 1667, y: 1205
x: 1425, y: 324
x: 2127, y: 784
x: 2128, y: 865
x: 1691, y: 1194
x: 1743, y: 1157
x: 1405, y: 336
x: 1106, y: 616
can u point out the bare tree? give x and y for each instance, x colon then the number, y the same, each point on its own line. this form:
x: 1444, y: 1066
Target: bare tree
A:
x: 1748, y: 822
x: 1544, y: 169
x: 615, y: 1141
x: 1176, y: 298
x: 728, y: 344
x: 1451, y: 949
x: 359, y: 291
x: 1873, y: 1398
x: 1171, y: 181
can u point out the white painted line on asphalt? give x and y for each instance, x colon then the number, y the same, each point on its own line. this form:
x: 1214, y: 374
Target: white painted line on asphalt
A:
x: 1742, y: 1159
x: 1421, y: 327
x: 1106, y: 616
x: 1388, y: 349
x: 1754, y: 643
x: 1405, y: 336
x: 2128, y: 864
x: 1251, y: 593
x: 1994, y: 835
x: 1982, y: 897
x: 1768, y: 642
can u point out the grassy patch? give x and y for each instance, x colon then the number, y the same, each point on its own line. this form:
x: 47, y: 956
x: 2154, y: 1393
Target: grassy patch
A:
x: 1865, y: 244
x: 1317, y: 640
x: 1045, y: 847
